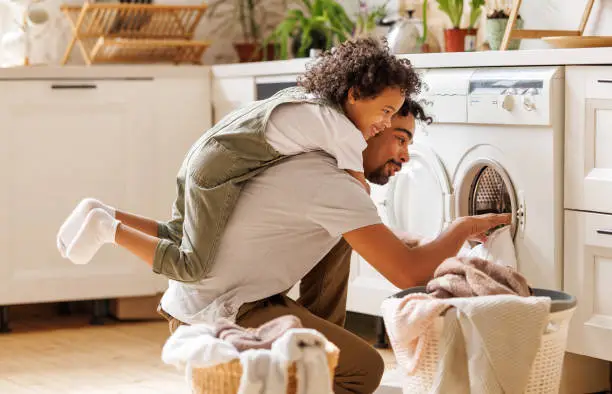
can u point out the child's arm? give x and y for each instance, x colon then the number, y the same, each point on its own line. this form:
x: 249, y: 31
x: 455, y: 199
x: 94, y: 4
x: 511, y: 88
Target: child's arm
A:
x: 361, y: 178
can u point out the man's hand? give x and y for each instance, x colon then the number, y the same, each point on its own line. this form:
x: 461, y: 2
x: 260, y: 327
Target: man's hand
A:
x: 475, y: 227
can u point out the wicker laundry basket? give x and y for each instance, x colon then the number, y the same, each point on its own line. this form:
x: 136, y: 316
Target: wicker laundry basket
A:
x: 225, y: 378
x: 545, y: 376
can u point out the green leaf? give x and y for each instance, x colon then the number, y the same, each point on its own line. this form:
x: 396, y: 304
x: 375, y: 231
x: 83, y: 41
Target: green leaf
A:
x: 475, y: 12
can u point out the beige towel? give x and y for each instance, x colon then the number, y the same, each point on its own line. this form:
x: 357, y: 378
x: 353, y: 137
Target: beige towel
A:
x: 255, y: 338
x: 489, y: 343
x: 473, y: 276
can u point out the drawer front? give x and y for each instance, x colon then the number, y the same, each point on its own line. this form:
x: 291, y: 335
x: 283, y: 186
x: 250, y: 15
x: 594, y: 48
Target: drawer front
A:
x: 588, y: 139
x: 598, y: 82
x: 587, y: 275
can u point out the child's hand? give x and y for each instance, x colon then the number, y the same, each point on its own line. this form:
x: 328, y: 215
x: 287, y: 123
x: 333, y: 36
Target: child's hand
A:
x: 361, y: 178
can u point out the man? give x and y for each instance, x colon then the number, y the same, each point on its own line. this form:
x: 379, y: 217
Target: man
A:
x: 292, y: 223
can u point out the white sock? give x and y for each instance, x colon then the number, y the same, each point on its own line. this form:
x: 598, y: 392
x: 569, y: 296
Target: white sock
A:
x: 75, y: 220
x: 98, y: 228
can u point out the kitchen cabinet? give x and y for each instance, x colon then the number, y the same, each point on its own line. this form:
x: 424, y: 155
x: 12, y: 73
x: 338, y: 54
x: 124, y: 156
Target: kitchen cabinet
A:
x: 588, y: 208
x: 588, y: 139
x: 588, y: 270
x: 231, y: 93
x: 119, y: 140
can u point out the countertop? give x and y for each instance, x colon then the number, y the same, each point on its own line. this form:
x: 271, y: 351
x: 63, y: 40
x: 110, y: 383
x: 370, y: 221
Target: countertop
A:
x: 118, y: 71
x: 546, y: 57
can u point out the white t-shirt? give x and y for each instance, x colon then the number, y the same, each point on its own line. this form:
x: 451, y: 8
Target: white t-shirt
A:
x: 285, y: 221
x: 303, y: 127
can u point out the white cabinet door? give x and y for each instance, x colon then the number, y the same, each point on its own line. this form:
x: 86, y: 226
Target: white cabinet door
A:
x: 62, y: 141
x: 231, y: 93
x: 588, y: 274
x: 181, y: 111
x: 588, y: 144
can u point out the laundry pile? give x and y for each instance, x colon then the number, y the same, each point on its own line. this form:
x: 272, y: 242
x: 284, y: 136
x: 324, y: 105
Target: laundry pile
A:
x: 492, y: 325
x: 264, y: 353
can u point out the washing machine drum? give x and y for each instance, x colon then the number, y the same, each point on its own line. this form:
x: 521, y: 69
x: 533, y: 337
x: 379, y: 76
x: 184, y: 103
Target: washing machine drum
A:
x: 421, y: 200
x: 486, y: 188
x: 418, y: 195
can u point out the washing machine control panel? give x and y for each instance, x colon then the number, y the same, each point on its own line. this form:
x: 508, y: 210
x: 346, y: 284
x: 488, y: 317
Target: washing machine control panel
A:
x: 517, y: 96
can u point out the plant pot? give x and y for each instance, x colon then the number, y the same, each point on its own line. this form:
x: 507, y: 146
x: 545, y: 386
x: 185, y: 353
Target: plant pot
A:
x: 496, y: 27
x: 470, y: 40
x: 252, y: 52
x: 454, y: 39
x: 319, y: 42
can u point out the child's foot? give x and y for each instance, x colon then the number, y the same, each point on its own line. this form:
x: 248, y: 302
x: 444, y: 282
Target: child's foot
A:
x: 75, y: 220
x: 98, y: 228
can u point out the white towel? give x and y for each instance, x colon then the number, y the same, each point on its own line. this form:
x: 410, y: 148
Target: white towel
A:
x: 266, y: 371
x: 196, y: 346
x: 261, y: 373
x: 498, y: 248
x: 308, y: 348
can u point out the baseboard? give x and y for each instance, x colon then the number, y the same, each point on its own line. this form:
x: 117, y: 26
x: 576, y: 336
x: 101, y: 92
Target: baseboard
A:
x: 135, y: 308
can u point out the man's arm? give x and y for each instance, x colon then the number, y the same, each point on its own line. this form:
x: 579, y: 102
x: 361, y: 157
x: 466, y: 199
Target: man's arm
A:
x: 408, y: 267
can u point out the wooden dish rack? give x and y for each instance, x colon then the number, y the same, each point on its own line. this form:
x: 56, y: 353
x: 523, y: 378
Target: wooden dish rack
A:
x: 135, y: 33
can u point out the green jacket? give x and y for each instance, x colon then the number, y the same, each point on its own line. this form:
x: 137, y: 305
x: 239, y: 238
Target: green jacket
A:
x: 209, y: 183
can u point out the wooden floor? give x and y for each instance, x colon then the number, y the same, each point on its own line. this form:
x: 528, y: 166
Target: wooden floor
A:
x: 67, y: 355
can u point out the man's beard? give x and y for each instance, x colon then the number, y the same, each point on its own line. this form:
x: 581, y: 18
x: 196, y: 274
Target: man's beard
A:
x: 379, y: 176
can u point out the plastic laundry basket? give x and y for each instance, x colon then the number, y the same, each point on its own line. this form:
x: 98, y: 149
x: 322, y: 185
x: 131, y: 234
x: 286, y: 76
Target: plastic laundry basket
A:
x: 545, y: 376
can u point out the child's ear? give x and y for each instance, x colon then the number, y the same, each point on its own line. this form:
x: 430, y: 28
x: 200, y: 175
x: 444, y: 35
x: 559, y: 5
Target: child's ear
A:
x: 351, y: 96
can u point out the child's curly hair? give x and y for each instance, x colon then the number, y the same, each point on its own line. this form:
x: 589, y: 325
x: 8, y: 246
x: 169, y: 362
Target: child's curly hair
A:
x: 365, y: 64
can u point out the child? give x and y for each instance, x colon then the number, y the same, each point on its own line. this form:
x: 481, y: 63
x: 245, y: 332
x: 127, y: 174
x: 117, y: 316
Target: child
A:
x: 348, y: 96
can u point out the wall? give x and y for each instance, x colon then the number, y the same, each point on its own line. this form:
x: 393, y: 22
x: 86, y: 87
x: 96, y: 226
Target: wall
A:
x: 542, y: 14
x: 537, y: 14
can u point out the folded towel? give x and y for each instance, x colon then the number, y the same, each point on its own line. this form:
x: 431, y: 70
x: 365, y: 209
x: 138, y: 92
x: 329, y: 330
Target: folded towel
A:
x: 255, y: 338
x: 472, y: 276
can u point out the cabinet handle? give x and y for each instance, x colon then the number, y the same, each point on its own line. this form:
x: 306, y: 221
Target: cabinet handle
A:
x: 604, y: 80
x: 72, y: 86
x: 604, y: 232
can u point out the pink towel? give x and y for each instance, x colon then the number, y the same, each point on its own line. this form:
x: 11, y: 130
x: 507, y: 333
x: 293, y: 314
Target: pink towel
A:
x: 407, y: 321
x: 473, y: 276
x: 255, y: 338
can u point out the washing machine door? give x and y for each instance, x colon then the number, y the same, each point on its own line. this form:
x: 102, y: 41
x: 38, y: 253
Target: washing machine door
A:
x: 419, y: 195
x: 482, y: 185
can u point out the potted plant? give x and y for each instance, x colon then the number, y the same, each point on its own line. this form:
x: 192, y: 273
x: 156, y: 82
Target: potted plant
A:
x: 454, y: 38
x: 497, y: 19
x: 249, y: 15
x: 319, y: 26
x: 475, y: 13
x: 369, y: 19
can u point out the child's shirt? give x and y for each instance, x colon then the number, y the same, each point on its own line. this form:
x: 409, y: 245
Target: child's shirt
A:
x: 297, y: 128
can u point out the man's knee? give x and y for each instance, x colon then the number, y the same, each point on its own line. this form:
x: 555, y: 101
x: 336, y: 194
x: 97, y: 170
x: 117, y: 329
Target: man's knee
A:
x: 362, y: 370
x: 375, y: 367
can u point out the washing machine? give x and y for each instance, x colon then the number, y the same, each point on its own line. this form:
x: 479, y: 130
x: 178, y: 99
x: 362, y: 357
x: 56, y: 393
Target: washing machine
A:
x: 496, y: 146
